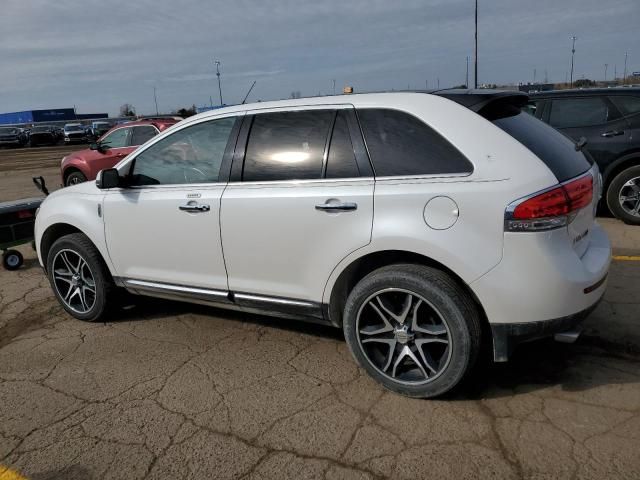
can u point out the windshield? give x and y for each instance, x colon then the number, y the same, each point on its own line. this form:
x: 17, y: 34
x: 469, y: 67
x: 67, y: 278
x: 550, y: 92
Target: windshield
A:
x: 40, y: 129
x: 72, y: 128
x: 8, y: 131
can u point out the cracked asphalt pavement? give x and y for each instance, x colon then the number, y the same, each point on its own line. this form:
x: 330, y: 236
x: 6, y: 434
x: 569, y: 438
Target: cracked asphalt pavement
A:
x: 169, y: 390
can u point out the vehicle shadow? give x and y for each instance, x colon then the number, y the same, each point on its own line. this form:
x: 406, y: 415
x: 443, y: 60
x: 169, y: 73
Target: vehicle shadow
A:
x: 533, y: 365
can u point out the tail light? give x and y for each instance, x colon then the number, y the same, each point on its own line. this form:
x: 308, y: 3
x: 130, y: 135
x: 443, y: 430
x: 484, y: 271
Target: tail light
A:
x: 551, y: 208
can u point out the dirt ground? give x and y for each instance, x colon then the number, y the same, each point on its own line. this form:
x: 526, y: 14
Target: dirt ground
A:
x: 169, y: 390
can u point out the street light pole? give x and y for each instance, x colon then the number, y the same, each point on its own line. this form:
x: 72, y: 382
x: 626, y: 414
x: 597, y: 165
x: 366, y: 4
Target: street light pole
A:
x: 155, y: 99
x: 466, y: 82
x: 218, y: 75
x: 606, y: 66
x: 624, y: 78
x: 573, y: 51
x: 475, y: 80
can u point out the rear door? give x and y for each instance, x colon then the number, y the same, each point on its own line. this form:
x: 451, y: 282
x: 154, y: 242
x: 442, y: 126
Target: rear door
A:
x: 301, y: 201
x: 596, y: 119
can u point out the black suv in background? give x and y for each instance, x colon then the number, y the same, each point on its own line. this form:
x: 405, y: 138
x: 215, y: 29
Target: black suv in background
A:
x: 609, y: 118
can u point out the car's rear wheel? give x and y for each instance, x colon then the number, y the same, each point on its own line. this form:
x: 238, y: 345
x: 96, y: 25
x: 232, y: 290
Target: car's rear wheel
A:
x: 623, y: 195
x: 413, y: 329
x: 79, y: 278
x: 75, y: 178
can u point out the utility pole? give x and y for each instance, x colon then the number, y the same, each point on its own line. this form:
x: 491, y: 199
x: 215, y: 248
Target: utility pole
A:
x: 624, y: 78
x: 573, y: 51
x: 217, y: 62
x: 546, y: 77
x: 534, y: 75
x: 615, y: 72
x: 475, y: 78
x: 606, y: 66
x: 210, y: 101
x: 438, y: 79
x: 334, y: 86
x: 466, y: 82
x: 155, y: 99
x: 426, y: 84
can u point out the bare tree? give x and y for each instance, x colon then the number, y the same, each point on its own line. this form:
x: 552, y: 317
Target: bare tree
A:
x: 296, y: 94
x: 127, y: 110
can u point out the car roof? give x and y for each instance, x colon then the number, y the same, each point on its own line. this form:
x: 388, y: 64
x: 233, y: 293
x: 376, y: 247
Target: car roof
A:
x: 470, y: 98
x: 581, y: 92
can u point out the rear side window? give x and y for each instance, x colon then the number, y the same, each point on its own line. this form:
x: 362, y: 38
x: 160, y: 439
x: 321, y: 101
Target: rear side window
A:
x: 552, y: 147
x: 141, y: 134
x: 401, y: 144
x: 287, y: 146
x: 579, y: 112
x: 341, y: 161
x: 628, y: 105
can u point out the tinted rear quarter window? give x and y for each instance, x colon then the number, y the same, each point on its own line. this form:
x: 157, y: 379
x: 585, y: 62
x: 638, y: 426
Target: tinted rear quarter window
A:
x: 401, y: 144
x: 141, y: 134
x: 287, y: 145
x: 552, y: 147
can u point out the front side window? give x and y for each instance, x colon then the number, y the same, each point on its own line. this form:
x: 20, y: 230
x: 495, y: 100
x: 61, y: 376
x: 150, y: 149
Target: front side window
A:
x: 287, y: 146
x: 401, y: 144
x: 578, y: 112
x: 141, y: 134
x: 117, y: 139
x: 191, y: 155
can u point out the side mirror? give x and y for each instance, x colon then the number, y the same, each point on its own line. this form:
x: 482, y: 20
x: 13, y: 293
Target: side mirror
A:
x: 109, y: 178
x: 100, y: 147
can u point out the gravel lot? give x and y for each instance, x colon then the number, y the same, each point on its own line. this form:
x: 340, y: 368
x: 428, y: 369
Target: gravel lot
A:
x: 168, y: 390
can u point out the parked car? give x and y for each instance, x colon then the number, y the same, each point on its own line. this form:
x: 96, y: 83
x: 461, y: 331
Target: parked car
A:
x: 75, y: 133
x: 13, y: 136
x: 43, y: 135
x: 420, y: 227
x: 609, y: 119
x: 112, y: 147
x: 99, y: 128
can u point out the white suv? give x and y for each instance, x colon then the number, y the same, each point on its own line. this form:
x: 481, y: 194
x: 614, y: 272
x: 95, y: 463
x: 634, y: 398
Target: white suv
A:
x: 421, y: 224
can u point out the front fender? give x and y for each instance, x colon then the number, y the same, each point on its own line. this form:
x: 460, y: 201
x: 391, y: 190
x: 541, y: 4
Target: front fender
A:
x: 78, y: 210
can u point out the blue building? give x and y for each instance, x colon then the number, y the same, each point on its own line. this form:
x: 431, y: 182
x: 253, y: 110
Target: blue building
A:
x: 43, y: 116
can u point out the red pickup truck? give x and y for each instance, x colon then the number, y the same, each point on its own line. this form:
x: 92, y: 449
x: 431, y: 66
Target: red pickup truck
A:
x: 112, y: 147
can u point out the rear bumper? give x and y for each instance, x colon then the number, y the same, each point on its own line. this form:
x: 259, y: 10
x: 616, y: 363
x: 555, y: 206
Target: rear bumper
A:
x: 506, y: 336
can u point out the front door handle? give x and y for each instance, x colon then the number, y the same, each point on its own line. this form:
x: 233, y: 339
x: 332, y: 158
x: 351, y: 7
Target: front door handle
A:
x: 337, y: 207
x: 194, y: 208
x: 612, y: 133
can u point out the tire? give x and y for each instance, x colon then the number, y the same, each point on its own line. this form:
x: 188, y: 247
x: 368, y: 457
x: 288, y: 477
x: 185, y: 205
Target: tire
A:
x: 445, y: 313
x: 627, y: 184
x: 12, y: 259
x: 74, y: 178
x: 72, y: 286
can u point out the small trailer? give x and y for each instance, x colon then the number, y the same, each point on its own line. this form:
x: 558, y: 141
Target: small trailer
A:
x: 17, y: 219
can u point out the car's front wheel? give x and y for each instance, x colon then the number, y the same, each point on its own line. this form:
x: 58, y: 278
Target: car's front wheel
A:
x: 75, y: 178
x: 623, y: 196
x: 79, y: 278
x: 413, y: 329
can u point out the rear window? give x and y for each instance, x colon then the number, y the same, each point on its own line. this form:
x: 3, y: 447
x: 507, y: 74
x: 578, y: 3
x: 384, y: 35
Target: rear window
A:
x: 552, y: 147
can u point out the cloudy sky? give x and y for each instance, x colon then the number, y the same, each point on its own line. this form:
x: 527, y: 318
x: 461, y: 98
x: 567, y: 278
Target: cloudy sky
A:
x: 99, y: 54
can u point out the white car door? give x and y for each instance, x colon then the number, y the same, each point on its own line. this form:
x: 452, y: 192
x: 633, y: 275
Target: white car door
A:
x: 164, y: 226
x: 301, y: 201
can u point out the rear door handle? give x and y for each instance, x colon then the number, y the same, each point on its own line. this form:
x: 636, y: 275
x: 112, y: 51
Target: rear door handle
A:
x: 612, y: 133
x: 194, y: 208
x: 337, y: 207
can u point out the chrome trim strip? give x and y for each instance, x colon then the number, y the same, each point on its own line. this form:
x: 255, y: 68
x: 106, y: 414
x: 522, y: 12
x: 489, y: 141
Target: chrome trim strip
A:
x: 180, y: 289
x: 282, y: 301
